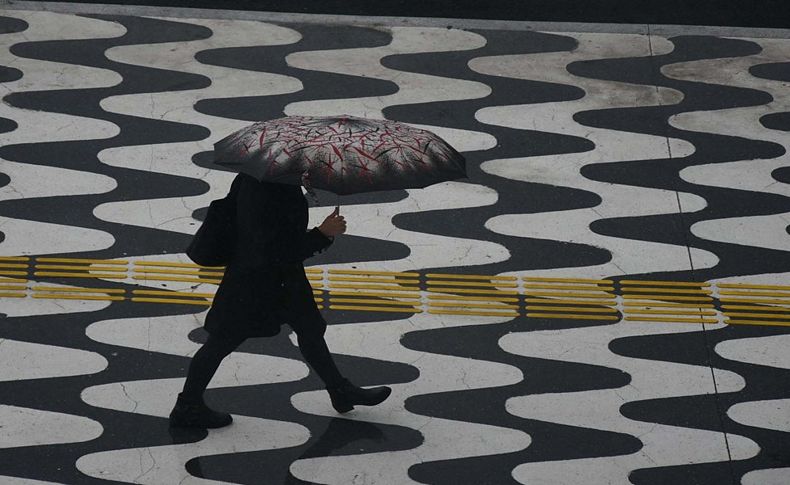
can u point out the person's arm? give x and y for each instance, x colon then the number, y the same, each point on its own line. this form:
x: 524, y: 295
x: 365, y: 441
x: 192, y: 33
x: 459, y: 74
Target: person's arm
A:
x: 319, y: 238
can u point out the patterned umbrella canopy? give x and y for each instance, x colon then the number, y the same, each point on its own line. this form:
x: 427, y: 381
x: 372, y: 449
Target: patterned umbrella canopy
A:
x: 341, y: 154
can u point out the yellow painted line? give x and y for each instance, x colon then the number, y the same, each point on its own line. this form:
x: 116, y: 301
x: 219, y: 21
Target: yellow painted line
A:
x: 572, y: 309
x: 671, y: 319
x: 178, y: 272
x: 679, y: 306
x: 753, y: 287
x: 665, y: 290
x: 374, y: 280
x: 375, y: 293
x: 14, y: 265
x: 696, y: 284
x: 163, y: 264
x: 411, y: 301
x: 754, y: 300
x: 111, y: 276
x: 769, y: 316
x: 564, y: 301
x: 376, y: 273
x: 14, y: 258
x: 314, y: 277
x: 568, y: 287
x: 320, y: 293
x: 569, y: 280
x: 471, y: 298
x: 316, y: 285
x: 374, y: 287
x: 12, y: 280
x: 470, y: 291
x: 56, y: 289
x: 572, y: 316
x: 172, y: 293
x: 12, y: 287
x: 82, y: 261
x: 13, y: 273
x: 369, y: 301
x: 448, y: 276
x: 670, y: 312
x: 473, y: 313
x: 757, y: 322
x: 492, y: 306
x: 773, y: 294
x: 60, y: 296
x: 4, y: 294
x: 573, y: 294
x: 171, y: 300
x: 668, y: 298
x: 187, y: 280
x: 471, y: 283
x: 375, y: 309
x: 757, y: 307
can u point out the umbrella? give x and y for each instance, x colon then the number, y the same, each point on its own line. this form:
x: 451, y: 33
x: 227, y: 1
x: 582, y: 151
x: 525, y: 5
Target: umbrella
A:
x: 341, y: 154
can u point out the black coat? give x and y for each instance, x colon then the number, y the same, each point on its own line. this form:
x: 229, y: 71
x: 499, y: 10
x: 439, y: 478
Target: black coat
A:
x: 265, y: 284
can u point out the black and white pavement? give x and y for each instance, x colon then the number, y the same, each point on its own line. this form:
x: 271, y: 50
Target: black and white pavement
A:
x: 623, y: 153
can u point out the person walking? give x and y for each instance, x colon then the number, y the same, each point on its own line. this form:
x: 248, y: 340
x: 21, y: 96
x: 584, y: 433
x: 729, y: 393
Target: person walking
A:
x: 265, y: 286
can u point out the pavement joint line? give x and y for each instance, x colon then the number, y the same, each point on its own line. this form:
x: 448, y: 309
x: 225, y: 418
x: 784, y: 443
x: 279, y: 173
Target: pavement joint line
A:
x: 392, y: 21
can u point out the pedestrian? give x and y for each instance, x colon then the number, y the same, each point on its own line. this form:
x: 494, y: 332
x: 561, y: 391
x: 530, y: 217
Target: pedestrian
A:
x: 264, y: 286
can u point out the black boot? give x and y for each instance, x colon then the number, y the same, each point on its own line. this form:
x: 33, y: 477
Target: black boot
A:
x: 345, y: 396
x: 188, y: 414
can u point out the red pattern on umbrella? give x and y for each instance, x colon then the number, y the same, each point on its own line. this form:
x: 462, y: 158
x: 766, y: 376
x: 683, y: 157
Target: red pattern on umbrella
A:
x: 342, y: 154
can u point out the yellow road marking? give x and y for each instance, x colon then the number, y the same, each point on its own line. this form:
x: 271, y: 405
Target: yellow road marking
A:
x: 76, y: 274
x: 773, y: 294
x: 13, y: 273
x: 754, y: 287
x: 757, y: 322
x: 165, y: 264
x: 377, y: 273
x: 448, y: 276
x: 374, y: 287
x: 757, y: 307
x: 470, y: 291
x: 668, y: 298
x: 12, y: 280
x: 629, y: 304
x: 573, y: 294
x: 754, y: 300
x: 697, y: 284
x: 61, y: 296
x: 671, y: 319
x: 64, y: 289
x: 563, y: 301
x: 473, y: 313
x: 665, y: 290
x: 568, y: 287
x: 165, y: 278
x: 173, y: 293
x: 4, y: 287
x: 177, y: 272
x: 670, y: 312
x: 471, y: 283
x: 82, y: 261
x: 10, y: 294
x: 569, y: 280
x: 471, y: 298
x: 572, y: 309
x: 375, y: 309
x: 492, y: 306
x: 769, y: 316
x: 572, y: 316
x: 14, y: 258
x: 14, y: 265
x: 170, y: 300
x: 403, y: 294
x: 374, y: 280
x: 369, y: 301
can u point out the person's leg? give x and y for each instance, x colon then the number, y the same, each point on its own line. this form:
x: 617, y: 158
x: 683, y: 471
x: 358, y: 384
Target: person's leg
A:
x: 343, y: 394
x: 205, y: 363
x: 190, y: 410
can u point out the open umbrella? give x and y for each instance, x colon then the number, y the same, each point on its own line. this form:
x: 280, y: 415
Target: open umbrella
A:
x: 341, y: 154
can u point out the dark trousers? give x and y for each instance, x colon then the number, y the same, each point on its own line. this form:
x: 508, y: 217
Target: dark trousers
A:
x: 310, y: 336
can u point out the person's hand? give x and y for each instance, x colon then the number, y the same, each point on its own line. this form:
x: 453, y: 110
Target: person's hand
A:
x: 334, y: 224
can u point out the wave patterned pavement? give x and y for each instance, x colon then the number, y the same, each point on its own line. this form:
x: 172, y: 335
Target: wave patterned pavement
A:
x: 590, y: 155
